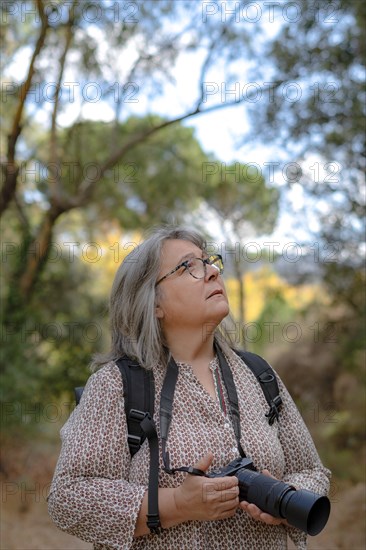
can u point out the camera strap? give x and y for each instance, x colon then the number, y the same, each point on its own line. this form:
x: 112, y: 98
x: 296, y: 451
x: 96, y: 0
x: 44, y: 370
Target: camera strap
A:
x: 232, y: 397
x: 166, y: 409
x: 166, y: 412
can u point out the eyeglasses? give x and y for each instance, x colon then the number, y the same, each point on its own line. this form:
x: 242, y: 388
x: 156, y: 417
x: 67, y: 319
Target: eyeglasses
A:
x: 197, y: 267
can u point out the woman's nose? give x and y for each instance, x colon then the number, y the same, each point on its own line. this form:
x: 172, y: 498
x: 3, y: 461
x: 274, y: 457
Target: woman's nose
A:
x: 211, y: 272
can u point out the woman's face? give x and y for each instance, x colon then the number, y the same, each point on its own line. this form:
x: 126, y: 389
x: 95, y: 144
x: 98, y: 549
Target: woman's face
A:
x: 184, y: 301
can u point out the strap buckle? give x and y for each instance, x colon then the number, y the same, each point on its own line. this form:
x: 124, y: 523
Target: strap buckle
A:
x: 274, y: 410
x: 134, y: 441
x: 148, y: 427
x: 153, y: 523
x: 137, y: 415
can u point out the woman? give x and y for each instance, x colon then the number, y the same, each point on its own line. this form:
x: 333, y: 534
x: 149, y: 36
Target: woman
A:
x: 167, y: 297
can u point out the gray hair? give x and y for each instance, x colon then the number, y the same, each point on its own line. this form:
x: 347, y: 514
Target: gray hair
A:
x: 135, y: 329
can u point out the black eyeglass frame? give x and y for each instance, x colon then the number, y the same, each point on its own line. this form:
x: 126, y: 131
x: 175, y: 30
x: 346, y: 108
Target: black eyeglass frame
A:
x: 206, y: 261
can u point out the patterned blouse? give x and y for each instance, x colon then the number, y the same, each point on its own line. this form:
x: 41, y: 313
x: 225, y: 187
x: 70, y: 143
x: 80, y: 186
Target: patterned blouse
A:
x: 97, y: 489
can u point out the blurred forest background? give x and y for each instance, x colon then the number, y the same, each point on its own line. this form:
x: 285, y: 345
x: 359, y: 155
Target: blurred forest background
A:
x: 80, y: 187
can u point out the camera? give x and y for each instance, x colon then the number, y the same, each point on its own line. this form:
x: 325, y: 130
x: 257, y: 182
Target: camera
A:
x: 301, y: 508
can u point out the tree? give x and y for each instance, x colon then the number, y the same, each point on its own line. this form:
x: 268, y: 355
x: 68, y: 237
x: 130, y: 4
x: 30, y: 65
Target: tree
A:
x: 62, y: 323
x: 170, y: 163
x: 61, y: 163
x: 318, y: 120
x: 246, y: 207
x: 72, y: 39
x: 319, y: 52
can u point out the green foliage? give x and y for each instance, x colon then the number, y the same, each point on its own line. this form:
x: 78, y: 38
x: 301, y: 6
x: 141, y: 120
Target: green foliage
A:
x: 246, y: 206
x: 323, y: 54
x: 239, y: 194
x: 276, y: 310
x: 166, y: 171
x: 47, y: 346
x: 157, y: 177
x: 51, y: 335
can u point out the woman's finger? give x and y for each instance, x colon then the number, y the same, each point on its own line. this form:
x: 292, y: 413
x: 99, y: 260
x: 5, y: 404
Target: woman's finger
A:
x: 257, y: 514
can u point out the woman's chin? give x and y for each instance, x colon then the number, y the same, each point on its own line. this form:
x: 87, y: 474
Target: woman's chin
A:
x: 220, y: 313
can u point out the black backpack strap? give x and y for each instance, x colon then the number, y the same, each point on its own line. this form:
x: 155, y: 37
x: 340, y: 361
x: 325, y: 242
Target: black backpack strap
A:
x: 78, y: 392
x: 147, y: 425
x: 267, y: 379
x: 139, y: 393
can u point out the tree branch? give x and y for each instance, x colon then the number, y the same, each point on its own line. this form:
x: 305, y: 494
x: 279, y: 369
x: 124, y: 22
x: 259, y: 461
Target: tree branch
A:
x: 211, y: 51
x: 87, y: 185
x: 41, y: 243
x: 11, y: 169
x: 55, y: 184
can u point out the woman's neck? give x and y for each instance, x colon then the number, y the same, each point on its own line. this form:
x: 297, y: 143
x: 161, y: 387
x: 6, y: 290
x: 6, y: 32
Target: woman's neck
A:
x: 191, y: 347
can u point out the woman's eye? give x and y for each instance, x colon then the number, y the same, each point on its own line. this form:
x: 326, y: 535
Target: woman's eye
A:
x: 184, y: 268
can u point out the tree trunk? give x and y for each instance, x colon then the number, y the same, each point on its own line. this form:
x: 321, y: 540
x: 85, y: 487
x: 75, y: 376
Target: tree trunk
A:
x: 240, y: 279
x: 32, y: 258
x: 36, y: 253
x: 10, y: 168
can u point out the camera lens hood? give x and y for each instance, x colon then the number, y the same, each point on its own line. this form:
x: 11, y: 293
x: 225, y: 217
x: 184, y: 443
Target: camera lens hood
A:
x: 306, y: 510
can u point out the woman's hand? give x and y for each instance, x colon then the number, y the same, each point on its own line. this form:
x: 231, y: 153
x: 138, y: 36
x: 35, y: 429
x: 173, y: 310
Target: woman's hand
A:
x: 257, y: 514
x: 204, y: 499
x: 198, y: 498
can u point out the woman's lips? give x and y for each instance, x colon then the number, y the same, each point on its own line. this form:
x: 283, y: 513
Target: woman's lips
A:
x: 217, y: 292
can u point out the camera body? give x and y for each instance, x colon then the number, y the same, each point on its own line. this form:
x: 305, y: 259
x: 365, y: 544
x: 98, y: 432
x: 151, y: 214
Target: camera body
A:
x: 301, y: 508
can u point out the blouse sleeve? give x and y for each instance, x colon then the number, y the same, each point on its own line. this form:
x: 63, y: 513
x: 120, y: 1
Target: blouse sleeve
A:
x: 304, y: 469
x: 90, y: 495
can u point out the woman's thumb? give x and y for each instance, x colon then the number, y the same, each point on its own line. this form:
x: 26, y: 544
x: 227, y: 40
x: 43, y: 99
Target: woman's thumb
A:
x: 205, y: 462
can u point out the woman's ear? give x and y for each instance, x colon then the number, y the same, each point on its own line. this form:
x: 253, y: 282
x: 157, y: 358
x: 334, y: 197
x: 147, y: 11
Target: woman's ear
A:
x: 159, y: 313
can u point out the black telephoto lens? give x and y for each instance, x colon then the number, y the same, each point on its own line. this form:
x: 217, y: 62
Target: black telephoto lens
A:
x: 301, y: 508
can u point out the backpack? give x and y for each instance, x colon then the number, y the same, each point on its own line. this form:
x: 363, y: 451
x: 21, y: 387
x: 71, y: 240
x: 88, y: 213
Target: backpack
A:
x: 139, y: 392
